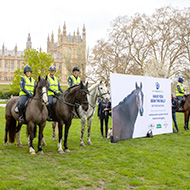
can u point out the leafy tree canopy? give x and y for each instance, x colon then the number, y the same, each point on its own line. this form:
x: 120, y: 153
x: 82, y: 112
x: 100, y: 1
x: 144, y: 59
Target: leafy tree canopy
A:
x: 38, y: 61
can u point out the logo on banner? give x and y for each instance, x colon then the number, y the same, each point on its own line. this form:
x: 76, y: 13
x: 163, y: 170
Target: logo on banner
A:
x: 157, y: 85
x: 158, y: 126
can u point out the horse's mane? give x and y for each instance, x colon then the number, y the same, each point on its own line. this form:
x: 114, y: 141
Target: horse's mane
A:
x: 35, y: 88
x: 126, y: 98
x: 70, y: 88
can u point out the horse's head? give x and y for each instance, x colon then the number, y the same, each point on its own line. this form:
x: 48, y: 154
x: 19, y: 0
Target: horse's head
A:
x: 81, y: 96
x: 103, y: 92
x: 42, y: 89
x: 139, y: 98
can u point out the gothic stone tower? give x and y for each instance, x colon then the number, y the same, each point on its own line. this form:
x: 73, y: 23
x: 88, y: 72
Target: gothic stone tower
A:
x: 68, y: 51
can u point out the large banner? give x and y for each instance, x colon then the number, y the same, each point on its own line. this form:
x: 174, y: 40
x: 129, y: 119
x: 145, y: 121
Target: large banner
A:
x: 139, y: 104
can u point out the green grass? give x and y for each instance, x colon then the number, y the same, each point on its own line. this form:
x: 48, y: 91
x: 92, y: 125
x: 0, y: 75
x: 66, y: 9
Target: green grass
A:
x: 161, y: 162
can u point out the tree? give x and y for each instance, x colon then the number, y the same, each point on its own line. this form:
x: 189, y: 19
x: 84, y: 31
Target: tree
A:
x: 38, y: 61
x: 156, y: 45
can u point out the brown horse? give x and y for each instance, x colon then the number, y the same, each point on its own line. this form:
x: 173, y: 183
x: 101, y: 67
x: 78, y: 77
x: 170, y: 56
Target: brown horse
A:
x: 186, y: 111
x: 36, y: 114
x: 65, y: 107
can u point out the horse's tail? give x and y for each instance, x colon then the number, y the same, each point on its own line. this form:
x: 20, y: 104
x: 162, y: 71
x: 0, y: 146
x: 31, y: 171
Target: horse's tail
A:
x: 11, y: 127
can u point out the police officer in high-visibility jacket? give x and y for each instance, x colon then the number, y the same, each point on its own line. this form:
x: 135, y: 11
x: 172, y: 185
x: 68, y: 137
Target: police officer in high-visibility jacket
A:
x: 27, y: 85
x: 180, y: 92
x: 54, y: 89
x: 74, y: 79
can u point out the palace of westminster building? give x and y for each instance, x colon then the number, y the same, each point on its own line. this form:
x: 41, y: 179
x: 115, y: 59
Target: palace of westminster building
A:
x: 68, y: 51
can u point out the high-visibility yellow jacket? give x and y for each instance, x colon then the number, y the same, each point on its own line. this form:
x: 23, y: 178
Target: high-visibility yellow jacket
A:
x: 74, y: 80
x: 53, y: 85
x: 29, y: 86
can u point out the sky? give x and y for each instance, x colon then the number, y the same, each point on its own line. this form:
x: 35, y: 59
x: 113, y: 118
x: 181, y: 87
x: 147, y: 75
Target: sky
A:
x: 42, y: 17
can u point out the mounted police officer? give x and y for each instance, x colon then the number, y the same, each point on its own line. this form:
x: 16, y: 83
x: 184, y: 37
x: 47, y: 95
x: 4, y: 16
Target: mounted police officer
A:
x: 53, y: 90
x: 27, y: 85
x: 74, y: 79
x: 180, y: 92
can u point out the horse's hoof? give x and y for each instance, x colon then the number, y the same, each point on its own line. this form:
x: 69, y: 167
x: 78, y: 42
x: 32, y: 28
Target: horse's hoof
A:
x: 6, y: 144
x: 41, y: 152
x: 44, y: 144
x: 60, y: 151
x: 32, y: 153
x: 67, y: 150
x: 19, y: 145
x: 82, y: 144
x: 90, y: 143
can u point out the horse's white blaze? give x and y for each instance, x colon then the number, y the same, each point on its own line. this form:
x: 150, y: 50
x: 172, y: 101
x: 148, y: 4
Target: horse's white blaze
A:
x: 44, y: 96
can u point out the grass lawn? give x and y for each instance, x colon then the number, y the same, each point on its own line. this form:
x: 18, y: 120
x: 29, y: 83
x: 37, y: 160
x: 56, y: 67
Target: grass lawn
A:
x: 161, y: 162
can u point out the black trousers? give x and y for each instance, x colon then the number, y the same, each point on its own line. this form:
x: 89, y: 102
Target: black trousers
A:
x: 102, y: 120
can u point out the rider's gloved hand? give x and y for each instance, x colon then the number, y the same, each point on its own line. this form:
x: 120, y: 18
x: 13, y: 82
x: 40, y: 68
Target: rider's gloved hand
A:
x: 56, y: 93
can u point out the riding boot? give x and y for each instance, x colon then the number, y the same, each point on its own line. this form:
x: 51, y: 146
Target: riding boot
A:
x: 49, y: 113
x: 181, y: 104
x: 21, y: 115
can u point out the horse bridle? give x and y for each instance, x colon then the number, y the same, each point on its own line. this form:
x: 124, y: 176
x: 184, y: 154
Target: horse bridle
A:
x: 102, y: 93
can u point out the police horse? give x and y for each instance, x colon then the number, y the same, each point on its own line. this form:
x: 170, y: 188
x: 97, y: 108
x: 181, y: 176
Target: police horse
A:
x: 36, y: 114
x: 125, y: 114
x: 186, y: 111
x: 97, y: 90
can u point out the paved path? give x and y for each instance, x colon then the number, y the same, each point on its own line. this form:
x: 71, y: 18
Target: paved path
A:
x: 2, y: 105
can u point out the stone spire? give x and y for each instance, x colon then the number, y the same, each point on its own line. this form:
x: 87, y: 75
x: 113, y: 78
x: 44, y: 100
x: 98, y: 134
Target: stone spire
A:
x: 29, y: 42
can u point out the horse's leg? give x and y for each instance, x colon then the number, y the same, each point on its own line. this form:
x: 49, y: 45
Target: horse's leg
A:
x: 53, y: 127
x: 19, y: 144
x: 67, y: 126
x: 186, y: 115
x: 30, y: 129
x: 6, y: 132
x: 43, y: 140
x: 40, y: 136
x: 89, y: 129
x: 60, y: 128
x: 188, y: 122
x: 83, y: 121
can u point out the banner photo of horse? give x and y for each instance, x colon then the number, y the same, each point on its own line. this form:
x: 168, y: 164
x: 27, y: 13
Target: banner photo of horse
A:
x: 139, y: 104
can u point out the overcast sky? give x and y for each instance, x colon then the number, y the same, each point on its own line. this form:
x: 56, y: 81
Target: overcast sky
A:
x: 41, y: 17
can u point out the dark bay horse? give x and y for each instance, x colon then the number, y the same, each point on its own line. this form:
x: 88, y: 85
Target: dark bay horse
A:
x: 125, y: 114
x: 98, y: 89
x: 36, y: 114
x: 186, y: 111
x: 64, y: 110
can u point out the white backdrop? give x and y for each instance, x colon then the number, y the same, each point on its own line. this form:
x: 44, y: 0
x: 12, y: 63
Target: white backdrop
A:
x: 157, y: 102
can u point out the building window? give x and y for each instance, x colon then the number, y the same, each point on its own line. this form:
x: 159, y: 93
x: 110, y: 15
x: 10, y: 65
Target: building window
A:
x: 5, y: 78
x: 12, y: 67
x: 18, y: 65
x: 6, y: 67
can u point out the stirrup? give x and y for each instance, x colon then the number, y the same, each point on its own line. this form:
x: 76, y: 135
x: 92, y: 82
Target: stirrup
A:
x: 16, y: 110
x: 49, y: 118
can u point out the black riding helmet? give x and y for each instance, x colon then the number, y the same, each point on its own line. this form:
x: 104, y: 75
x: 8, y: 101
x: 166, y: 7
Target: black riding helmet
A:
x: 76, y: 69
x: 52, y: 68
x: 27, y: 68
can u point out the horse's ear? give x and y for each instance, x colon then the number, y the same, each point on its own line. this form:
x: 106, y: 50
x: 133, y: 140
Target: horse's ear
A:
x: 87, y: 84
x: 46, y: 77
x: 81, y: 84
x: 141, y: 85
x: 136, y: 85
x: 39, y: 78
x: 101, y: 82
